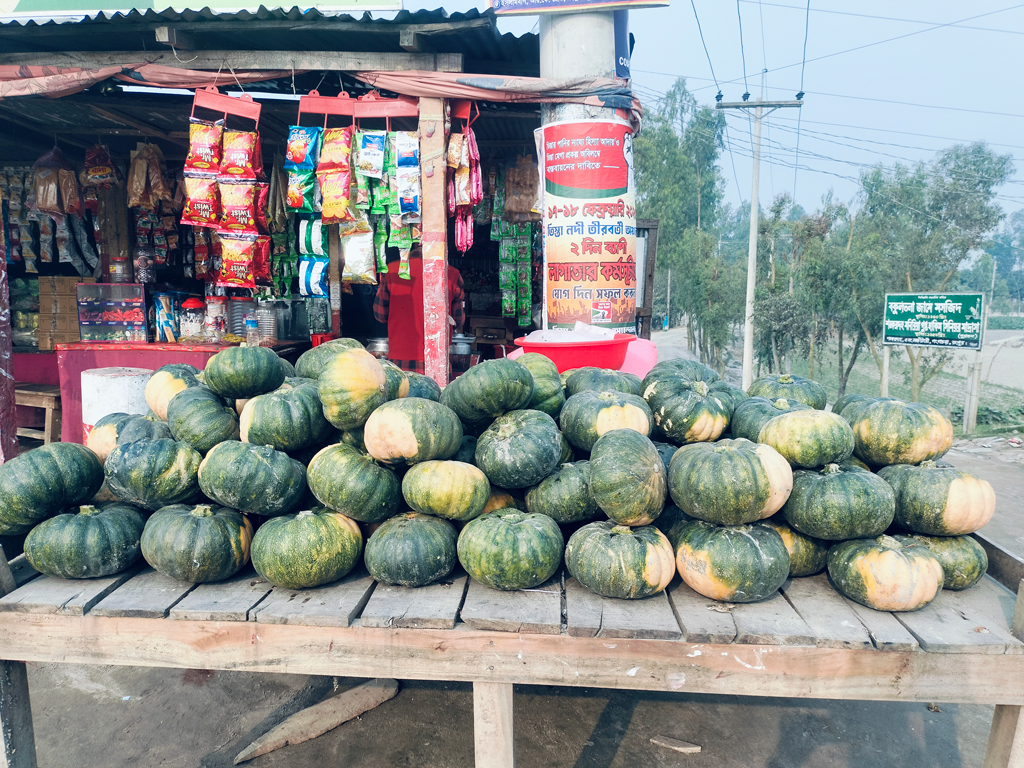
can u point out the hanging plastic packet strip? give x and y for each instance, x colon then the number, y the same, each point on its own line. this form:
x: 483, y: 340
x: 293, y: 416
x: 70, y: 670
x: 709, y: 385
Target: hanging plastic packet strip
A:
x: 462, y: 180
x: 100, y: 170
x: 204, y: 146
x: 312, y: 238
x: 335, y: 187
x: 508, y: 303
x: 313, y: 276
x: 359, y: 261
x: 455, y: 143
x: 238, y: 207
x: 380, y: 247
x: 303, y: 148
x: 336, y: 150
x: 370, y: 159
x: 261, y: 261
x: 409, y: 190
x: 401, y: 237
x: 236, y: 265
x: 361, y: 192
x: 379, y: 197
x: 262, y: 196
x: 303, y: 191
x: 403, y: 264
x: 240, y: 158
x: 407, y: 149
x: 507, y: 277
x: 202, y: 201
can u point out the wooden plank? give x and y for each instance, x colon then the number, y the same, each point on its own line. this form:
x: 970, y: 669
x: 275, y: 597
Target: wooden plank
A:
x: 962, y: 623
x: 149, y: 595
x: 537, y: 610
x: 436, y: 306
x: 702, y: 619
x: 590, y: 615
x: 583, y: 610
x: 229, y: 600
x: 771, y: 622
x: 993, y: 604
x: 832, y: 621
x: 435, y: 606
x: 1003, y: 566
x: 49, y: 594
x: 493, y: 733
x: 22, y: 571
x: 886, y: 632
x: 1006, y: 738
x: 332, y: 605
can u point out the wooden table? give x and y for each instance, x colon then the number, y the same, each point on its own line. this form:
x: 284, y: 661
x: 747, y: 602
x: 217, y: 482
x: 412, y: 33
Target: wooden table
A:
x: 47, y: 397
x: 805, y: 642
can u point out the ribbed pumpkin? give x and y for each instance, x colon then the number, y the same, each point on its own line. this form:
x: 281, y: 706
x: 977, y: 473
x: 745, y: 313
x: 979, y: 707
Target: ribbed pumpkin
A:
x: 729, y: 393
x: 502, y: 499
x: 508, y: 549
x: 311, y: 363
x: 730, y: 482
x: 489, y: 389
x: 589, y: 414
x: 847, y: 400
x: 885, y: 574
x: 243, y: 372
x: 519, y: 449
x: 735, y: 564
x: 839, y: 503
x: 893, y: 432
x: 200, y: 417
x: 412, y: 430
x: 88, y: 542
x: 775, y: 386
x: 809, y: 438
x: 254, y: 479
x: 687, y: 412
x: 197, y: 544
x: 962, y: 558
x: 411, y: 550
x: 807, y: 555
x: 154, y: 473
x: 672, y: 522
x: 467, y: 450
x: 352, y: 385
x: 448, y: 489
x: 288, y: 419
x: 678, y: 369
x: 397, y: 380
x: 307, y: 549
x: 564, y: 495
x: 619, y: 561
x: 423, y: 386
x: 548, y: 393
x: 166, y: 382
x: 753, y: 413
x: 567, y: 454
x: 600, y: 380
x: 116, y: 428
x: 348, y: 481
x: 288, y: 368
x: 627, y: 477
x: 666, y: 451
x: 939, y: 501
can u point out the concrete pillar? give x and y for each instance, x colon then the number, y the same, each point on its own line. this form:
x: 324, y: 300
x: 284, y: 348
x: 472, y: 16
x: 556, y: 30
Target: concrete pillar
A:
x: 576, y: 45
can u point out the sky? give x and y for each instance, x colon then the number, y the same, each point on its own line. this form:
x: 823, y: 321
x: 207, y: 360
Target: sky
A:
x: 952, y: 75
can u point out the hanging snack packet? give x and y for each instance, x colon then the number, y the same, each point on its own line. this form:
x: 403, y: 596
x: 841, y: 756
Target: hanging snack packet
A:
x: 409, y: 190
x: 380, y: 247
x: 238, y: 207
x: 204, y: 146
x: 262, y: 196
x: 303, y: 147
x: 48, y: 191
x: 455, y: 144
x: 403, y: 264
x: 236, y: 261
x: 100, y: 170
x: 336, y: 150
x: 311, y: 237
x: 202, y: 201
x: 302, y: 191
x: 313, y: 276
x: 401, y: 237
x: 407, y: 149
x: 239, y: 159
x: 508, y: 303
x: 261, y: 261
x: 361, y: 192
x: 336, y: 190
x: 370, y: 157
x: 359, y: 262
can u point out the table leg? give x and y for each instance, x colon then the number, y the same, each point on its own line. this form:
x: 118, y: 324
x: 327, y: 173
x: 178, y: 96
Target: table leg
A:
x: 1006, y: 739
x: 492, y: 725
x: 17, y: 739
x: 52, y: 428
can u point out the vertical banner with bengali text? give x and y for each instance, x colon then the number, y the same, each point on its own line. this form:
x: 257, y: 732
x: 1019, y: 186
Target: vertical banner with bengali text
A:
x: 589, y: 224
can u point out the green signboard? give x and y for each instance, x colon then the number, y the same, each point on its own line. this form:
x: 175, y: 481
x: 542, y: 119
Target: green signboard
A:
x: 933, y: 320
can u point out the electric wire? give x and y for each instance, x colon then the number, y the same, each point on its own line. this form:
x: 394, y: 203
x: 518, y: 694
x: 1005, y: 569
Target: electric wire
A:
x: 743, y: 54
x: 800, y: 95
x: 701, y: 32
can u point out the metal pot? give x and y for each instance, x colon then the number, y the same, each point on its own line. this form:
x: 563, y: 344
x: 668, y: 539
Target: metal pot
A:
x: 378, y: 348
x: 461, y: 344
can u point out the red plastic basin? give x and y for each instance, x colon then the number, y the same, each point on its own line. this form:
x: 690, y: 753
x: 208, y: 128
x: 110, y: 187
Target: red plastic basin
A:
x: 608, y: 353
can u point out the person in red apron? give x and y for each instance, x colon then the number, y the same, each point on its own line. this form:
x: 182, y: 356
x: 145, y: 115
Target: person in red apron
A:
x: 399, y: 304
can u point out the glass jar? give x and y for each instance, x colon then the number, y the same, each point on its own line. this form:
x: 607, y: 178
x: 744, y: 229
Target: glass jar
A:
x: 216, y: 317
x: 193, y: 317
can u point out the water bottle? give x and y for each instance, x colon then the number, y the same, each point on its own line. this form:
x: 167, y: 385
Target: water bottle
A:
x: 252, y: 331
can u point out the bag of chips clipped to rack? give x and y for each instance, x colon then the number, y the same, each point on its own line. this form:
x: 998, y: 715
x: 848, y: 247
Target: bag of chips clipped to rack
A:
x: 204, y: 145
x: 237, y: 207
x: 335, y: 150
x: 303, y: 148
x: 261, y: 261
x: 313, y: 276
x: 202, y: 201
x: 312, y: 237
x: 236, y: 261
x: 303, y: 191
x: 336, y: 188
x: 242, y: 157
x: 369, y: 158
x: 359, y: 259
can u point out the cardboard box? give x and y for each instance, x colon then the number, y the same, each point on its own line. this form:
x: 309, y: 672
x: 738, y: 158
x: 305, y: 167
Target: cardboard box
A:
x: 59, y: 305
x: 52, y: 285
x: 58, y: 323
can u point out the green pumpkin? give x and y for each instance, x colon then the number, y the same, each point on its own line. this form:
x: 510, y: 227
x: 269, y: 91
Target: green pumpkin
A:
x: 348, y: 481
x: 619, y: 561
x: 809, y: 438
x: 728, y: 393
x: 730, y: 482
x: 154, y: 473
x: 962, y: 558
x: 567, y: 454
x: 666, y: 451
x: 548, y: 393
x: 893, y: 432
x: 166, y: 382
x: 627, y: 477
x: 565, y: 495
x: 734, y: 564
x: 254, y: 479
x: 86, y: 543
x: 839, y: 503
x: 601, y: 380
x: 312, y: 362
x: 240, y: 372
x: 519, y: 449
x: 885, y: 574
x: 752, y: 414
x: 41, y: 482
x: 197, y: 544
x: 678, y: 369
x: 686, y: 412
x: 508, y: 549
x: 775, y: 386
x: 589, y: 414
x: 412, y: 430
x: 290, y: 418
x: 423, y: 386
x: 199, y: 417
x: 397, y: 380
x: 117, y: 428
x: 352, y: 437
x: 448, y: 489
x: 467, y: 450
x: 308, y: 549
x: 847, y: 400
x: 352, y: 385
x: 488, y: 390
x: 287, y: 367
x: 939, y: 501
x: 807, y: 555
x: 672, y: 522
x: 411, y: 550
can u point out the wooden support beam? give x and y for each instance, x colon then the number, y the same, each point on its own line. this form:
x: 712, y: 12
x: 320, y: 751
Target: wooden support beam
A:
x: 8, y: 419
x: 17, y: 739
x: 175, y: 38
x: 340, y: 61
x: 334, y: 272
x: 493, y: 731
x: 435, y: 240
x: 1006, y: 738
x: 140, y: 125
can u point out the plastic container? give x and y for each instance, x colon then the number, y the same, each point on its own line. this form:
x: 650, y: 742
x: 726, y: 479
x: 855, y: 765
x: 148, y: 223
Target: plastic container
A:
x: 266, y: 317
x: 609, y: 353
x: 216, y: 321
x: 238, y: 308
x: 252, y: 331
x: 193, y: 317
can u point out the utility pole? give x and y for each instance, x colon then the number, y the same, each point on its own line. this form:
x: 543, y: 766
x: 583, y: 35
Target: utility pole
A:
x: 759, y: 108
x: 974, y: 369
x: 668, y: 303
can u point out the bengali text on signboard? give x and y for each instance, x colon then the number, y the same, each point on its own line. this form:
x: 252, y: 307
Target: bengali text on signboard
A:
x: 950, y: 320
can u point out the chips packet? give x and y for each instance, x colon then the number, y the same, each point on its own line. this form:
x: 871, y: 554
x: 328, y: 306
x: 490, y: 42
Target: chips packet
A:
x: 240, y: 158
x: 312, y: 238
x: 359, y: 261
x: 313, y: 276
x: 204, y: 145
x: 100, y: 170
x: 369, y: 159
x: 236, y: 265
x: 237, y: 207
x: 336, y: 149
x: 202, y: 201
x: 303, y: 191
x: 303, y: 148
x: 335, y: 187
x: 261, y: 261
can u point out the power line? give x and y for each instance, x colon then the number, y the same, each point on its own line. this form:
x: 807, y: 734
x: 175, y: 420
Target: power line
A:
x: 710, y: 65
x: 800, y: 95
x: 743, y: 55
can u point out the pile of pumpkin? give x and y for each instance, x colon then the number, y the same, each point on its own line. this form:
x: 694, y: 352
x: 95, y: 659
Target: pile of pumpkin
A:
x: 510, y: 470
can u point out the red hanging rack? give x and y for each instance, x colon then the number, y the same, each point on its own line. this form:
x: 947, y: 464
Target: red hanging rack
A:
x: 215, y: 101
x: 370, y: 105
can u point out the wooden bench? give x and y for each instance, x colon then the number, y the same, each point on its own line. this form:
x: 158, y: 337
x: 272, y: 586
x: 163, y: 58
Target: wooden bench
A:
x: 46, y: 396
x: 805, y: 642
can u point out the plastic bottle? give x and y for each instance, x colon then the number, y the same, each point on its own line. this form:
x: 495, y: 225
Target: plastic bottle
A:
x: 252, y: 331
x: 267, y: 319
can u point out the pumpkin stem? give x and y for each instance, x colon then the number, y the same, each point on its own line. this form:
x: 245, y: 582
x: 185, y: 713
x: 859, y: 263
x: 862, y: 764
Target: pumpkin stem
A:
x: 202, y: 510
x: 305, y: 513
x: 622, y: 529
x: 782, y: 404
x: 785, y: 379
x: 88, y: 509
x: 928, y: 464
x: 831, y: 469
x: 889, y: 542
x: 700, y: 387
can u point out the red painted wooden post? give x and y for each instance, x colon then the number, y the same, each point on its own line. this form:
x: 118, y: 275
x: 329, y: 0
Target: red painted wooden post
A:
x: 8, y: 419
x: 435, y: 240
